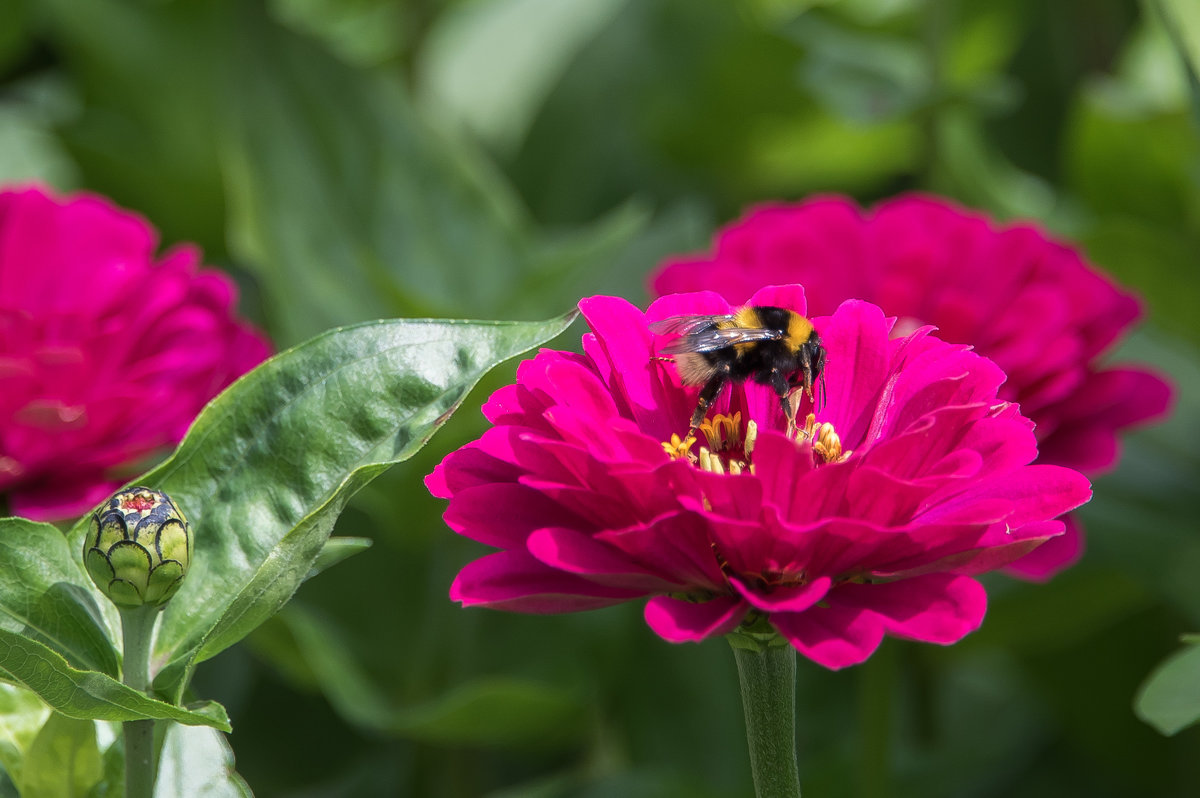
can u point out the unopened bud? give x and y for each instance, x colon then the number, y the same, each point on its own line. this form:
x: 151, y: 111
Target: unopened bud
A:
x: 138, y: 547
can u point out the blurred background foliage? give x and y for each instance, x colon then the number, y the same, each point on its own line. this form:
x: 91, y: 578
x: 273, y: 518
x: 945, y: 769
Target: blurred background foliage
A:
x: 354, y: 159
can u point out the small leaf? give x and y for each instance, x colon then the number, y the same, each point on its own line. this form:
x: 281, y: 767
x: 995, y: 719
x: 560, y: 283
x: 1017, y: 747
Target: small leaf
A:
x: 197, y: 762
x: 22, y: 715
x: 89, y: 695
x: 64, y: 760
x: 45, y: 595
x: 335, y: 550
x: 1169, y: 699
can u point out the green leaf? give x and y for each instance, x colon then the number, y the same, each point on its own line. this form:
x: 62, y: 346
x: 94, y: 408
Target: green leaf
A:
x: 22, y: 715
x: 335, y: 550
x: 197, y: 762
x: 267, y: 467
x: 1182, y: 23
x: 90, y: 695
x: 347, y: 206
x: 1169, y: 699
x: 489, y: 66
x: 487, y: 711
x: 64, y: 760
x: 45, y: 595
x: 360, y: 31
x: 495, y: 711
x: 29, y: 151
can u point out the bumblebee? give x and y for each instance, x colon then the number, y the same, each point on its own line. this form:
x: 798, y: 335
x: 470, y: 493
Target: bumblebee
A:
x: 772, y: 346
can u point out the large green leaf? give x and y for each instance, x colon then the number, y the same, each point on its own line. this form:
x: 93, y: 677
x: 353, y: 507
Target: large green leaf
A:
x: 45, y: 595
x: 490, y: 65
x: 89, y: 695
x: 268, y: 466
x: 349, y: 206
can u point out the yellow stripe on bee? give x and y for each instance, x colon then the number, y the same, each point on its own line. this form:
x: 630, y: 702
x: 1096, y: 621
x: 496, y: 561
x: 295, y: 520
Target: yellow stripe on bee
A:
x: 799, y: 330
x: 746, y: 318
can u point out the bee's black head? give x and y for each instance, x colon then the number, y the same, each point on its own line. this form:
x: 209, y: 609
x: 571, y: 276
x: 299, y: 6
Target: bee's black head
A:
x: 811, y: 373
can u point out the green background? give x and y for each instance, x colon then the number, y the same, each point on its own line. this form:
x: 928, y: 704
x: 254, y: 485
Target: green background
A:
x: 357, y: 159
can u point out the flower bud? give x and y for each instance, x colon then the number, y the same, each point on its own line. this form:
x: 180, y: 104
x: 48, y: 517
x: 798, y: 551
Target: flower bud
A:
x: 138, y: 547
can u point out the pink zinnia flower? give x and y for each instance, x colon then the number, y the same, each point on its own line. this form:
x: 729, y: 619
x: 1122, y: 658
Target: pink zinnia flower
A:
x: 107, y: 351
x: 1034, y: 306
x: 913, y: 477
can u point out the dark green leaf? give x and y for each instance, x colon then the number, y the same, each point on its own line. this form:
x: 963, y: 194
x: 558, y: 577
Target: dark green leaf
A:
x: 45, y: 595
x: 495, y: 712
x: 348, y: 206
x: 87, y: 694
x: 1169, y: 699
x: 503, y: 712
x: 64, y: 761
x: 267, y: 467
x: 197, y: 762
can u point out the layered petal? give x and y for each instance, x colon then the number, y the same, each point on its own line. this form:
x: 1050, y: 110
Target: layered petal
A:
x: 107, y: 349
x: 866, y: 520
x: 1033, y: 305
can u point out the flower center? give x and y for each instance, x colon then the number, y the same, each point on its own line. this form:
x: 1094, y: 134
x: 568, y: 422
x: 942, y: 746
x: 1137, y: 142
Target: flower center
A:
x: 729, y: 451
x: 825, y: 441
x: 139, y: 502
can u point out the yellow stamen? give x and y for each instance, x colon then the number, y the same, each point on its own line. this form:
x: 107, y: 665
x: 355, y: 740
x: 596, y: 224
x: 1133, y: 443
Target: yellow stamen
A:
x: 825, y: 441
x: 723, y: 432
x: 676, y: 448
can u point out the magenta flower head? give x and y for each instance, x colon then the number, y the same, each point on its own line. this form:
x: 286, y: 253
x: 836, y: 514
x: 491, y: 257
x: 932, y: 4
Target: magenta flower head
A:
x: 868, y: 517
x: 1032, y: 305
x: 107, y: 351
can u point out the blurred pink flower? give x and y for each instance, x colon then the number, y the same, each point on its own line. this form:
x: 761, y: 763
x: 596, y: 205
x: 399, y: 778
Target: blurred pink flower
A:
x: 107, y: 351
x: 1034, y: 306
x: 914, y: 478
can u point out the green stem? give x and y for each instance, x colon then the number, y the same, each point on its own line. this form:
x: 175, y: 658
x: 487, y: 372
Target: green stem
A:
x: 137, y: 627
x: 768, y: 677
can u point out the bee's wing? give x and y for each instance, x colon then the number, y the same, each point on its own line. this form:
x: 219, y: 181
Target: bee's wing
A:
x: 685, y: 325
x: 711, y: 340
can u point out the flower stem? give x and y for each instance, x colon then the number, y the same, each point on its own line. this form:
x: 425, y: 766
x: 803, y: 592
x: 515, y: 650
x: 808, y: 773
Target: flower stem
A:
x: 137, y: 626
x: 768, y: 678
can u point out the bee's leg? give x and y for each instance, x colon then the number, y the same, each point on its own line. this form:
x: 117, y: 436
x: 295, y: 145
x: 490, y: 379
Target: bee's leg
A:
x: 708, y: 393
x: 779, y: 382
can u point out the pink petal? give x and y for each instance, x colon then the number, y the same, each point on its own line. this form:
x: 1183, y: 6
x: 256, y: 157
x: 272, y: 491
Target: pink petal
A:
x: 515, y: 581
x: 1052, y: 556
x: 795, y: 598
x: 1034, y: 493
x: 576, y: 553
x: 504, y: 514
x: 856, y: 342
x: 936, y: 608
x: 790, y: 297
x: 835, y: 636
x: 679, y: 621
